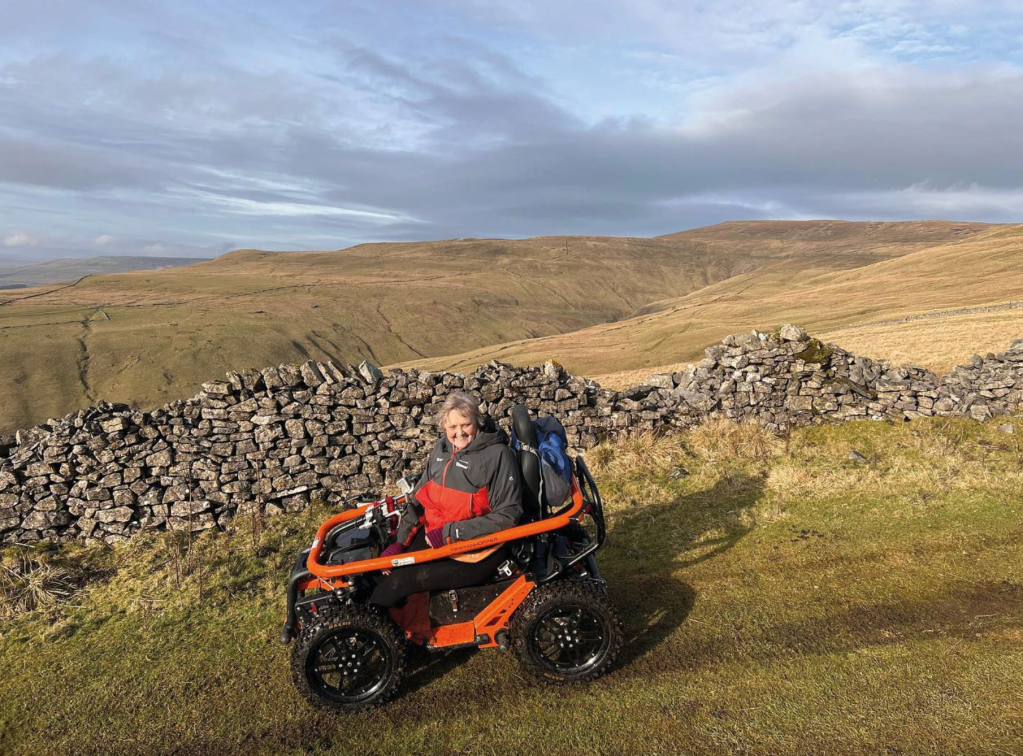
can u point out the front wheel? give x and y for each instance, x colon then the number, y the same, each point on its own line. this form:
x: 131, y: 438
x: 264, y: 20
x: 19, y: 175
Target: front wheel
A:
x: 350, y: 658
x: 567, y: 631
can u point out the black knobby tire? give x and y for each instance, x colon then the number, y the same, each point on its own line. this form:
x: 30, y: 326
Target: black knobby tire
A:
x: 566, y: 632
x: 350, y: 658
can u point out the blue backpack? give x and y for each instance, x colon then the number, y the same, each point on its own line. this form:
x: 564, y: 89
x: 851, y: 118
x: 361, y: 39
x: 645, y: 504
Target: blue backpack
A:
x: 555, y: 464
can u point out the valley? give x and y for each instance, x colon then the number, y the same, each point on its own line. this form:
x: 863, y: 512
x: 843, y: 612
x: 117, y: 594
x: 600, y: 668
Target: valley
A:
x: 613, y: 307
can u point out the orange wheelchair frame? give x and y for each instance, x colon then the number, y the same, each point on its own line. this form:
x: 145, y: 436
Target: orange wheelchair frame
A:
x: 413, y: 618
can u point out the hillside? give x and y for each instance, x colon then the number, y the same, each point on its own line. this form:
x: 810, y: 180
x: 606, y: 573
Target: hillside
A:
x: 151, y: 336
x: 933, y: 306
x: 26, y: 275
x: 777, y: 598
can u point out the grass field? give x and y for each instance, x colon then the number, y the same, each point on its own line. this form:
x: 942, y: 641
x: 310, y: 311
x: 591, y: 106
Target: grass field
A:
x: 778, y: 599
x: 936, y: 341
x: 150, y: 337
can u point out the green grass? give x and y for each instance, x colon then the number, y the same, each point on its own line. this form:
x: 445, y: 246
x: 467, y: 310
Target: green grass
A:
x: 778, y: 599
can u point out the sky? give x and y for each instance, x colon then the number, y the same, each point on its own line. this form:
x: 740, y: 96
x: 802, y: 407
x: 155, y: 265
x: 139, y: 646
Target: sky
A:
x: 190, y: 129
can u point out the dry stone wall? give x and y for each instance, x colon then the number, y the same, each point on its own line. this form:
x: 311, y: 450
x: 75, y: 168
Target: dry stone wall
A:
x: 276, y: 439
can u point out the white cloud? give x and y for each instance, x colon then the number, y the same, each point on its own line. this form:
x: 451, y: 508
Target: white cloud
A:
x: 299, y: 209
x: 20, y: 239
x: 102, y: 240
x: 925, y: 199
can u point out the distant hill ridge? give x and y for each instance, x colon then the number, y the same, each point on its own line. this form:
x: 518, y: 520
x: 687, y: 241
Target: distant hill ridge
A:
x: 24, y: 275
x: 859, y: 274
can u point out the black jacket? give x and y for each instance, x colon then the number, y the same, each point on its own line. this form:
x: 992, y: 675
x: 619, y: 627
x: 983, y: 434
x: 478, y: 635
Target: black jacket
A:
x: 471, y: 493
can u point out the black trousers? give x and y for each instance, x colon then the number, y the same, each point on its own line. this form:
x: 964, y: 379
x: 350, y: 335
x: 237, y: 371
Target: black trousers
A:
x: 441, y: 575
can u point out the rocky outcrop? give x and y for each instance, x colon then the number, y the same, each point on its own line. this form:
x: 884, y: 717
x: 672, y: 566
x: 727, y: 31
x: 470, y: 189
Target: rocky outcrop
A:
x: 276, y: 439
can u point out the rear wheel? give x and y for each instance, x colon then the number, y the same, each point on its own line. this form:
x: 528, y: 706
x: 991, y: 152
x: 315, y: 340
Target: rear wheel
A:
x: 566, y: 632
x: 351, y: 658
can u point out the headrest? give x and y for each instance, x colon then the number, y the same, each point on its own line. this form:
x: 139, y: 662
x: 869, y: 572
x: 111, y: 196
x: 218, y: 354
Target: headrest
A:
x: 529, y: 463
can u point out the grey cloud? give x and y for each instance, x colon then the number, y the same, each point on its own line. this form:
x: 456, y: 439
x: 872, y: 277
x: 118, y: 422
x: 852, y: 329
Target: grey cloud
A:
x: 492, y: 151
x: 823, y: 139
x: 30, y: 160
x: 470, y: 100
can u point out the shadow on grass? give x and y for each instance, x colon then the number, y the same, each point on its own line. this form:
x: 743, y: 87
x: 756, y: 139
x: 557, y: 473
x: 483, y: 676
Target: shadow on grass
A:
x: 648, y: 546
x: 971, y: 612
x: 426, y: 666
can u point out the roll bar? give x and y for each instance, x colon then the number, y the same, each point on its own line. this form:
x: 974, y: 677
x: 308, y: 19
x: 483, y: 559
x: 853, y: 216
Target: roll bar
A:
x: 568, y: 514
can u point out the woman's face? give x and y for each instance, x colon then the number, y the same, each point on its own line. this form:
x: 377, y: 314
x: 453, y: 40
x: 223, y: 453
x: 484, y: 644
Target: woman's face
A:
x: 460, y: 429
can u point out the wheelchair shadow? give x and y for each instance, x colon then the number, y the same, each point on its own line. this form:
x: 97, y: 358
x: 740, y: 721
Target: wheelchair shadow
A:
x: 649, y: 546
x: 423, y: 667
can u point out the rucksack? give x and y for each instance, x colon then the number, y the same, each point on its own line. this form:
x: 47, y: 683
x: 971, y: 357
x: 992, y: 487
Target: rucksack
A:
x: 555, y: 464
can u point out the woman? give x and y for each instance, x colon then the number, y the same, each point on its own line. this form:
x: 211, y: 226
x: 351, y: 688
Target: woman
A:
x: 470, y: 488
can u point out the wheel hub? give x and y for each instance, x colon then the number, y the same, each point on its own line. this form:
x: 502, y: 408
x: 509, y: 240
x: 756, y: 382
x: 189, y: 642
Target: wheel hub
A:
x: 349, y: 665
x: 570, y: 639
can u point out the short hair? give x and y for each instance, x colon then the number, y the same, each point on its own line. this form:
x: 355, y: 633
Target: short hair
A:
x: 465, y: 403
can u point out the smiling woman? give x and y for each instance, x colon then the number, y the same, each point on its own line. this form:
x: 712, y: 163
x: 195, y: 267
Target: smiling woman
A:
x: 471, y: 487
x: 460, y: 419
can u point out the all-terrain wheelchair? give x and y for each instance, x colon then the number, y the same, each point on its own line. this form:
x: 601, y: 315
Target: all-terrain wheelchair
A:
x: 547, y: 602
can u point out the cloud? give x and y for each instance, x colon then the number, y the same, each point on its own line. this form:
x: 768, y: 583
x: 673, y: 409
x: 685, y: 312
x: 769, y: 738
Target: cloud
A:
x: 140, y: 125
x: 20, y: 239
x: 926, y: 200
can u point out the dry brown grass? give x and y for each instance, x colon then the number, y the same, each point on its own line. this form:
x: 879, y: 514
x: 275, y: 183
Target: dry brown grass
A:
x: 981, y: 270
x: 720, y: 439
x: 150, y: 337
x: 938, y: 344
x: 157, y: 335
x: 638, y: 452
x: 27, y: 586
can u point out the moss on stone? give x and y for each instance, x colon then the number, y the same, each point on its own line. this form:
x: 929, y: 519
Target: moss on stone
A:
x: 816, y: 352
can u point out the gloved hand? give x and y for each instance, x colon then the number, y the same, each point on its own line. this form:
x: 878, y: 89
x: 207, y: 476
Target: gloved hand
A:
x: 435, y: 538
x: 393, y: 550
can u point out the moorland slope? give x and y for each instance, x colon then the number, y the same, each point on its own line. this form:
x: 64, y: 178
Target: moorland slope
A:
x: 932, y: 306
x: 152, y: 336
x: 148, y: 337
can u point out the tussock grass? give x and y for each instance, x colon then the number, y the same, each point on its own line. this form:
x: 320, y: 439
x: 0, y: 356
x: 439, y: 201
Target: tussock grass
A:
x: 644, y: 453
x: 27, y: 585
x: 719, y: 439
x: 778, y: 598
